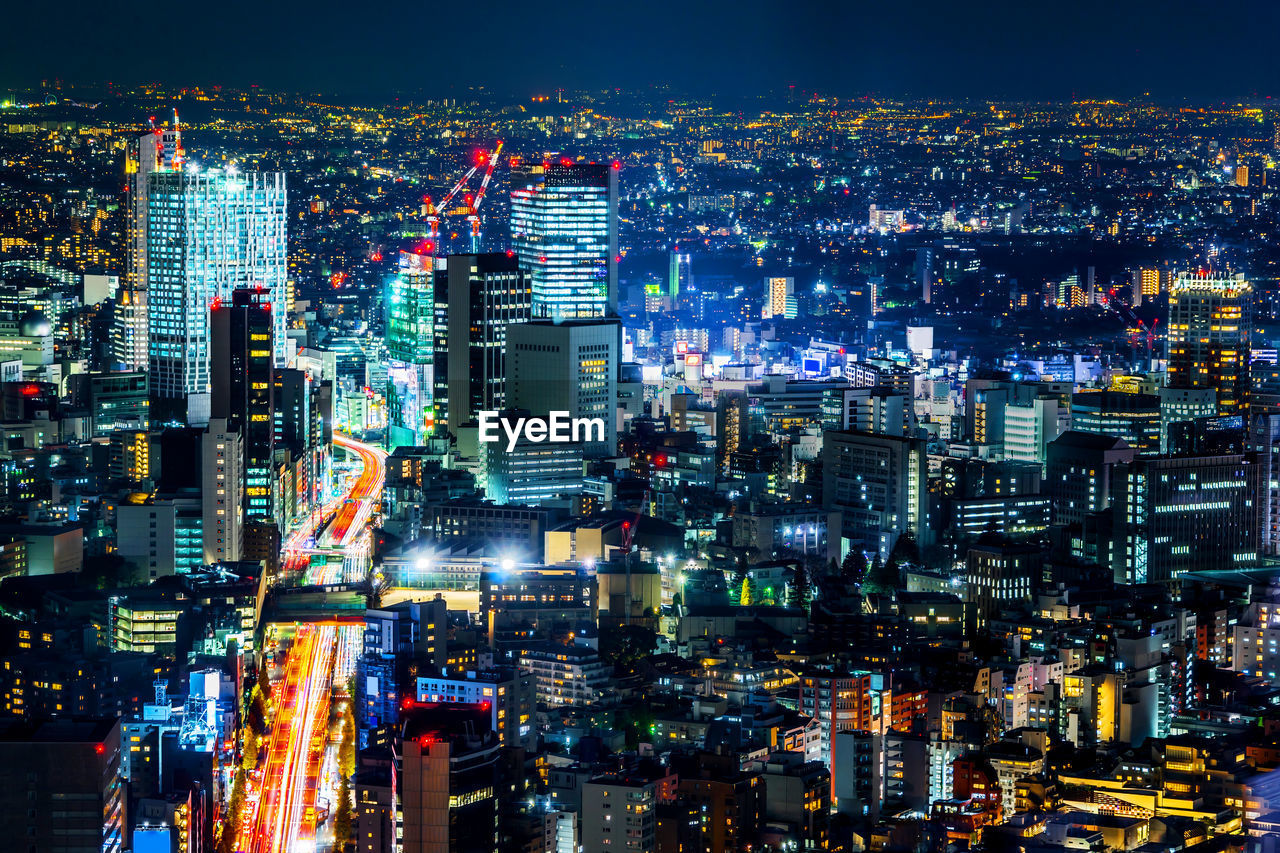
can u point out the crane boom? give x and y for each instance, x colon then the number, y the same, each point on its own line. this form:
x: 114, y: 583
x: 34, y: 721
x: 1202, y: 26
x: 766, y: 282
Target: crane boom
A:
x: 488, y: 176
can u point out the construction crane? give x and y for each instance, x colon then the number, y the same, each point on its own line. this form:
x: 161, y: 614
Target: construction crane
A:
x: 471, y: 204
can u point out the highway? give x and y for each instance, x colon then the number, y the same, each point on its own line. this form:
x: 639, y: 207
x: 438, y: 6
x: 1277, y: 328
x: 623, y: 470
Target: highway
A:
x: 280, y: 805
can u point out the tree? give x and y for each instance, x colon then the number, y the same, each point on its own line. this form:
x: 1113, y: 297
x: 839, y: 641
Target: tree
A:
x: 744, y: 597
x: 235, y: 805
x: 883, y: 577
x: 249, y: 757
x: 800, y: 592
x: 342, y: 816
x: 854, y: 567
x: 264, y: 684
x: 625, y: 646
x: 347, y: 751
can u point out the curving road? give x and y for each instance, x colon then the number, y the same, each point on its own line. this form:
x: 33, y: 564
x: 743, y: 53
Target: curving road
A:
x: 280, y: 804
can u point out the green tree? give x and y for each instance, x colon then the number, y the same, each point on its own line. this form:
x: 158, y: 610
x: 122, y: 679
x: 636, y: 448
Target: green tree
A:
x: 624, y: 646
x: 264, y: 684
x: 854, y: 567
x: 800, y: 591
x: 235, y: 805
x: 249, y: 756
x: 883, y: 577
x: 347, y: 751
x: 342, y: 816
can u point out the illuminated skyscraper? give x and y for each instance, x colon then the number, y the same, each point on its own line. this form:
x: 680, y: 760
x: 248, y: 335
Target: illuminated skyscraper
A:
x: 680, y: 275
x: 208, y: 234
x: 564, y: 228
x: 242, y: 385
x: 411, y: 306
x: 1208, y: 338
x: 156, y: 151
x: 476, y: 298
x: 779, y: 298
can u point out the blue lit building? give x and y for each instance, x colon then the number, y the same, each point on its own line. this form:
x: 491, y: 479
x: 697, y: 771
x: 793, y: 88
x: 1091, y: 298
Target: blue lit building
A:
x: 564, y: 229
x: 208, y: 234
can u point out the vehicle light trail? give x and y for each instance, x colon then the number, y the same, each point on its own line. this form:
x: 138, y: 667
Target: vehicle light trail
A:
x: 280, y: 806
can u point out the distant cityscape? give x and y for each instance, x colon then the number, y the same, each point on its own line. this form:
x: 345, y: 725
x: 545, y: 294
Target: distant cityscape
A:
x: 793, y: 472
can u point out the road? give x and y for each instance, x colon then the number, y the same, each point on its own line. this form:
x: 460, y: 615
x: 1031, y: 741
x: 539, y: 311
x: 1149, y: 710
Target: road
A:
x: 280, y: 803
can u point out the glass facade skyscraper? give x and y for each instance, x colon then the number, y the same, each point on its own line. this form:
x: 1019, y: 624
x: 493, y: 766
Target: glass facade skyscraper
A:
x: 208, y: 234
x: 564, y: 229
x: 411, y: 307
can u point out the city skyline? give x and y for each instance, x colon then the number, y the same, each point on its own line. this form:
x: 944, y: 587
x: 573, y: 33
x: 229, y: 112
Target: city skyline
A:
x: 935, y: 49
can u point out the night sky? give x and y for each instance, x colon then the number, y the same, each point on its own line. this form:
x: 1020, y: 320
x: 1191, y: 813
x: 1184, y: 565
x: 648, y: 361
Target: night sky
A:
x: 379, y: 47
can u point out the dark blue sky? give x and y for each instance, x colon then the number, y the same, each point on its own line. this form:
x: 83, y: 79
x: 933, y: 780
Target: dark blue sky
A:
x: 1001, y: 48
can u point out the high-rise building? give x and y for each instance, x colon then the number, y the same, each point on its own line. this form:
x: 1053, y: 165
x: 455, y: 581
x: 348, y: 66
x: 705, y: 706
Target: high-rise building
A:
x: 564, y: 229
x: 679, y: 276
x: 1210, y: 320
x: 570, y: 366
x: 1078, y: 473
x: 1178, y: 405
x: 476, y: 298
x: 209, y: 234
x: 1000, y: 576
x: 221, y: 492
x: 242, y: 389
x: 61, y: 786
x: 1133, y: 417
x: 411, y: 309
x: 155, y: 151
x: 779, y: 298
x: 1172, y: 515
x: 449, y: 793
x: 1264, y: 441
x: 879, y: 485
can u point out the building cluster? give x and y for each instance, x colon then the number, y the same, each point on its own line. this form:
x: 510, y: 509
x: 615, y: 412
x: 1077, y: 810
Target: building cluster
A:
x: 846, y: 476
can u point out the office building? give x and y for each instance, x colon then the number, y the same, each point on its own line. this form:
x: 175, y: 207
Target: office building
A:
x: 1178, y: 405
x: 679, y: 275
x: 572, y: 367
x: 114, y: 401
x: 209, y: 234
x: 507, y: 693
x: 564, y: 229
x: 1172, y: 515
x: 411, y: 309
x: 879, y: 485
x: 476, y: 298
x: 1136, y: 418
x: 1078, y: 473
x: 1001, y: 576
x: 1208, y: 338
x: 449, y: 771
x: 61, y: 787
x: 1028, y: 429
x: 243, y: 390
x: 155, y: 151
x: 532, y: 474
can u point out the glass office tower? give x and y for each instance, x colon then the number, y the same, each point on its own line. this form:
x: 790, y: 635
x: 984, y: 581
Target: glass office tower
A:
x: 564, y: 229
x: 208, y: 234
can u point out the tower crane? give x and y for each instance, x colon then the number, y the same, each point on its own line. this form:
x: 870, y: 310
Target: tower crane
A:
x: 471, y: 204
